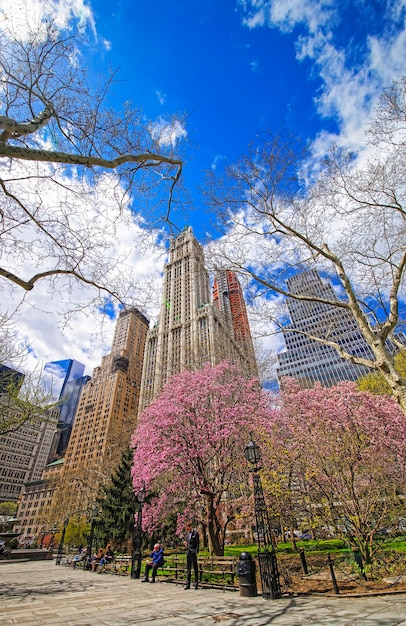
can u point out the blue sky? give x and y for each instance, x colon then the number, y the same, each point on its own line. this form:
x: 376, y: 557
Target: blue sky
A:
x: 228, y: 69
x: 236, y: 68
x: 198, y: 59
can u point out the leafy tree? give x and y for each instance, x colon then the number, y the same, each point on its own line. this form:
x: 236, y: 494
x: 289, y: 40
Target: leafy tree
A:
x: 347, y: 215
x: 64, y: 152
x: 189, y: 448
x: 8, y: 508
x: 346, y: 453
x: 375, y: 382
x: 77, y: 531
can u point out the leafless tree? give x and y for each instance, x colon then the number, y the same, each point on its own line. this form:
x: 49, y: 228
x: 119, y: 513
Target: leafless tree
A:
x: 346, y: 219
x: 23, y: 398
x: 70, y: 167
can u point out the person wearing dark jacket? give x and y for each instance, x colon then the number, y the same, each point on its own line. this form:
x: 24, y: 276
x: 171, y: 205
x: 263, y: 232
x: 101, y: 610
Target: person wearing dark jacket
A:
x: 192, y: 544
x: 157, y: 556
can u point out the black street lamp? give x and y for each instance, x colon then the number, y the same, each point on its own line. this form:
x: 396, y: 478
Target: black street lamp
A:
x: 136, y: 552
x: 91, y: 537
x: 43, y: 534
x: 268, y: 565
x: 60, y: 547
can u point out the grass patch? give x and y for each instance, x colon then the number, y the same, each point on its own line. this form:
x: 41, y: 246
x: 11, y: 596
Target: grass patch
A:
x: 322, y: 545
x: 398, y: 544
x: 235, y: 551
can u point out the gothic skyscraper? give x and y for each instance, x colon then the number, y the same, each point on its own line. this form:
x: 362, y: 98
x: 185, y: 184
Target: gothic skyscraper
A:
x: 191, y: 331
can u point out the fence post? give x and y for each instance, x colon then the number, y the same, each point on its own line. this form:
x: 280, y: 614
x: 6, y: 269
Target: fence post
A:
x: 333, y: 576
x: 303, y: 560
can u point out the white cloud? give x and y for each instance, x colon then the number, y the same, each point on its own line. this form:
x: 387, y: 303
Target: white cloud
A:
x: 167, y: 134
x: 257, y: 18
x: 349, y: 89
x: 107, y: 44
x: 216, y: 160
x: 161, y: 96
x: 125, y: 253
x: 128, y: 255
x: 20, y: 17
x: 286, y: 14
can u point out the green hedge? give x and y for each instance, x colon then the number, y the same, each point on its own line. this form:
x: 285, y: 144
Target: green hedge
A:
x: 327, y: 545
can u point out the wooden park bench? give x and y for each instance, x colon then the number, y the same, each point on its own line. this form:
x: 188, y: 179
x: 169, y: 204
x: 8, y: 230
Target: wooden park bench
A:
x: 215, y: 572
x: 120, y: 565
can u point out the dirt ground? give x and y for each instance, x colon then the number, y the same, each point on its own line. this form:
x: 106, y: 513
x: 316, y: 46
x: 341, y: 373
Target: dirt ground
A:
x: 387, y: 575
x: 300, y: 585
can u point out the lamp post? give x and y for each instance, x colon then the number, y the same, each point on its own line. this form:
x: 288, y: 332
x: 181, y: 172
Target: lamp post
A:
x: 62, y: 539
x: 268, y: 565
x: 136, y: 552
x: 43, y: 533
x: 91, y: 536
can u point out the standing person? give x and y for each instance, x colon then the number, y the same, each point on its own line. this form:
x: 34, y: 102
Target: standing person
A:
x: 157, y: 556
x: 192, y: 545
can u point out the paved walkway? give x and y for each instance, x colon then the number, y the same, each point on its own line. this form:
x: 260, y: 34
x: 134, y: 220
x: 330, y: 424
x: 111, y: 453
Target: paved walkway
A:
x: 34, y: 593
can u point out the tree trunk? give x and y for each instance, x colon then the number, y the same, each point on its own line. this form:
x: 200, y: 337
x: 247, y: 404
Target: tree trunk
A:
x: 396, y: 383
x: 213, y: 531
x: 293, y: 538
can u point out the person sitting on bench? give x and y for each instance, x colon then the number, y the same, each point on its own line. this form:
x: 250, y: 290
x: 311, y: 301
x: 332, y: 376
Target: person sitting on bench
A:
x: 107, y: 558
x: 157, y: 556
x: 79, y: 557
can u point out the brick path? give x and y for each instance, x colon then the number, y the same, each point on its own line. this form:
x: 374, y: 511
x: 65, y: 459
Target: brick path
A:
x: 34, y: 593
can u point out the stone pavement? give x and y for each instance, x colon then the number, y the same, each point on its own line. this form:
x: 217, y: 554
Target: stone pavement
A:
x: 42, y: 593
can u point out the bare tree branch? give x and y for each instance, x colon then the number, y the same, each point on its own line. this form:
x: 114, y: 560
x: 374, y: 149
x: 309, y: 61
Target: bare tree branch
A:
x: 349, y: 218
x: 75, y: 174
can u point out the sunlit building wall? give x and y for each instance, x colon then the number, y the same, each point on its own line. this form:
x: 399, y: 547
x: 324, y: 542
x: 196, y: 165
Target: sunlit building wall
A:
x: 229, y: 297
x: 306, y: 359
x: 106, y: 414
x: 24, y: 452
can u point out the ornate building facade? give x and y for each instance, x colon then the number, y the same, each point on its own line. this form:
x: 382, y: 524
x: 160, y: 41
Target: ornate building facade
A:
x: 191, y: 331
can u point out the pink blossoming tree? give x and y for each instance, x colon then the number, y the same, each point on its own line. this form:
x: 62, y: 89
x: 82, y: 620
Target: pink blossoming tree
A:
x: 339, y: 457
x: 189, y: 448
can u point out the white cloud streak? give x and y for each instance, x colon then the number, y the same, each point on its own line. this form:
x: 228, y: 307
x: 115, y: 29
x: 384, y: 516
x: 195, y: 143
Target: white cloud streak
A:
x: 19, y: 18
x: 167, y: 134
x: 133, y: 257
x: 349, y: 92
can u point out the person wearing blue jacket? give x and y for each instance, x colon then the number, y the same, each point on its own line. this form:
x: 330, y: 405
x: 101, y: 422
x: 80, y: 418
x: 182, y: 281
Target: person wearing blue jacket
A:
x: 157, y: 556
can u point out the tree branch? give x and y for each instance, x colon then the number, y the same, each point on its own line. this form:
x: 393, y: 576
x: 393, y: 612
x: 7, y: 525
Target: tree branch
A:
x: 45, y: 156
x: 12, y: 128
